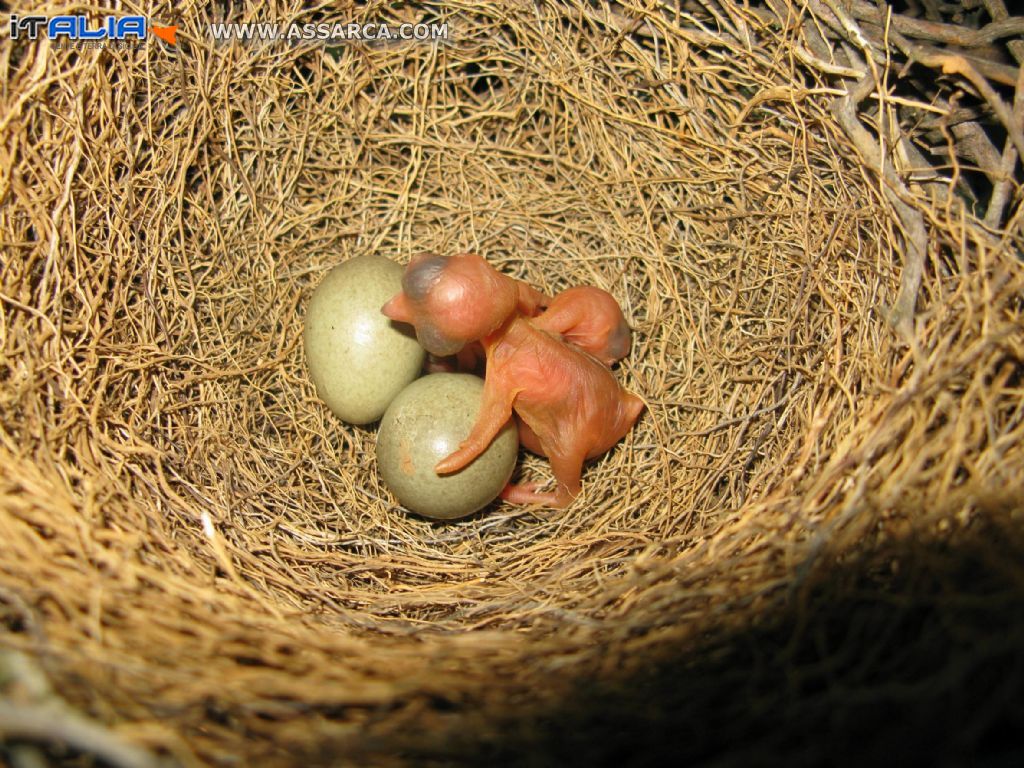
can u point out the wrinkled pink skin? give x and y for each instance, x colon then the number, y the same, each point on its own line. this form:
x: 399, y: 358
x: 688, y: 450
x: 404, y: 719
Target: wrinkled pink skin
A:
x: 570, y: 406
x: 591, y: 319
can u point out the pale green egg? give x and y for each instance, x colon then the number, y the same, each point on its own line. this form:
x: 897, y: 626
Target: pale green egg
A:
x: 423, y: 425
x: 358, y: 359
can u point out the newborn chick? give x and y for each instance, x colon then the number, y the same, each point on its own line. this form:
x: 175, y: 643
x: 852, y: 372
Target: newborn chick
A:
x: 571, y: 405
x: 590, y: 318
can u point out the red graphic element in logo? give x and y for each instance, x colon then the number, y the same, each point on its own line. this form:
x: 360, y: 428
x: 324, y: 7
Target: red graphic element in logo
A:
x: 167, y: 34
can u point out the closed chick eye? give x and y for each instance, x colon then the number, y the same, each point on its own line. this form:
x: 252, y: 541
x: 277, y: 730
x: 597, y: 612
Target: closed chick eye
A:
x: 435, y: 342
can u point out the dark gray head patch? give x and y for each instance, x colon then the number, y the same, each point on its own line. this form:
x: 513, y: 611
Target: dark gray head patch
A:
x: 422, y: 276
x: 619, y: 341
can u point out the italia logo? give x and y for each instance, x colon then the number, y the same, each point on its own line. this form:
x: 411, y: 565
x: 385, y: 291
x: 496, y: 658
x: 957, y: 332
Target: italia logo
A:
x: 79, y: 28
x: 167, y: 34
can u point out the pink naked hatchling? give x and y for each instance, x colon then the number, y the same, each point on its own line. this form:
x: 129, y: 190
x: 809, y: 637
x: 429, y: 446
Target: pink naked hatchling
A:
x: 570, y: 405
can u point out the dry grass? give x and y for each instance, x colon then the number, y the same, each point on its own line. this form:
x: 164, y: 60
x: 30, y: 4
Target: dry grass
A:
x: 198, y: 554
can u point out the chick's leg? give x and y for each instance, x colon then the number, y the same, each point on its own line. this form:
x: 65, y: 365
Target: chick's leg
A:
x: 527, y: 493
x: 567, y: 470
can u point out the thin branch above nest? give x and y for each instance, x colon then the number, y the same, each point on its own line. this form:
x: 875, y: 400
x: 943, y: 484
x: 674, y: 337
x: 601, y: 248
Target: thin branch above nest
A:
x: 874, y: 41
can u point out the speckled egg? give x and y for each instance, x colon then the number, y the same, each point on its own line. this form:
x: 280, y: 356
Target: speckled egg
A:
x: 425, y: 423
x: 358, y: 359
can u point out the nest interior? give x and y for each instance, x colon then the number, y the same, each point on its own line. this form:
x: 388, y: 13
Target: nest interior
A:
x: 814, y: 524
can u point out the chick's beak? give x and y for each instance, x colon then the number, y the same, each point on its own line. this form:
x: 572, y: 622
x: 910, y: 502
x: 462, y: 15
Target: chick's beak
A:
x: 397, y: 308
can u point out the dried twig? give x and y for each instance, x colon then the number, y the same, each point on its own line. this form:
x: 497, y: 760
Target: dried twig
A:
x: 949, y: 34
x: 57, y: 725
x: 30, y: 711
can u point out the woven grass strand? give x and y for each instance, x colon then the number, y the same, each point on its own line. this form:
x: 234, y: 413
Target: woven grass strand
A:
x: 201, y: 559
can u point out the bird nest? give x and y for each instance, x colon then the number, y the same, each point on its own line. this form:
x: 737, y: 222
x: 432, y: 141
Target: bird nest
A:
x: 809, y: 545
